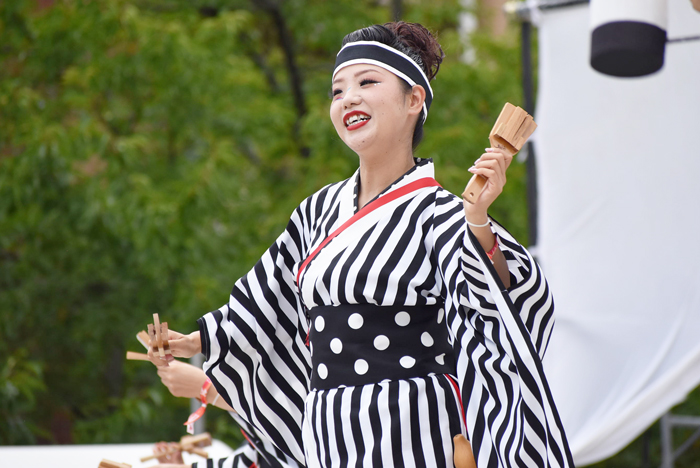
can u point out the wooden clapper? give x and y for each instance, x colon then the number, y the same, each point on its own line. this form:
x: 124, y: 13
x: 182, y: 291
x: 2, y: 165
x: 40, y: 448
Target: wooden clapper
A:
x: 464, y: 457
x: 158, y: 334
x: 156, y: 338
x: 112, y: 464
x: 510, y: 132
x: 145, y: 340
x: 189, y: 444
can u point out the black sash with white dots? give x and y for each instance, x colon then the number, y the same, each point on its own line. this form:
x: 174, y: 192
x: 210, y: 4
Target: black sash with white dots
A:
x: 359, y: 344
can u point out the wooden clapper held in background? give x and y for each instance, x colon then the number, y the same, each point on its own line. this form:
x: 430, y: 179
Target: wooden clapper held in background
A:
x: 112, y: 464
x: 189, y: 444
x: 510, y: 132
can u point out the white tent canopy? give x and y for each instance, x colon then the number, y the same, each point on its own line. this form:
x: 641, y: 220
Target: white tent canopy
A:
x: 619, y: 186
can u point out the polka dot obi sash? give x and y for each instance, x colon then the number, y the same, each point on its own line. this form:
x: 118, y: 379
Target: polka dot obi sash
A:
x: 359, y: 344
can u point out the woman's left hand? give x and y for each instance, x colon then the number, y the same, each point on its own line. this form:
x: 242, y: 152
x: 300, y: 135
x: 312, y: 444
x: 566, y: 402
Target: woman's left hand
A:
x: 492, y: 165
x: 182, y: 379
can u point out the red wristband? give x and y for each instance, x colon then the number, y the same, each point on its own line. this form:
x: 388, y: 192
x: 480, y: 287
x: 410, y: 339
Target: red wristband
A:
x: 200, y: 411
x: 493, y: 249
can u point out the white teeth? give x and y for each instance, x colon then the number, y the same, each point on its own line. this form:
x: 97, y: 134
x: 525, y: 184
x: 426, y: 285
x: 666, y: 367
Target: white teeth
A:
x: 356, y: 118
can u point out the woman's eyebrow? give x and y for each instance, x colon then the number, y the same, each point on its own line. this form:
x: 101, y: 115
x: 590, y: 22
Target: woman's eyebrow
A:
x: 361, y: 72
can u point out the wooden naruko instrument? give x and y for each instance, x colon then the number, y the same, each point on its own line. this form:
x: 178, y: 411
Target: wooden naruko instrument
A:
x: 144, y: 339
x: 510, y: 132
x: 112, y: 464
x: 189, y: 444
x: 158, y: 333
x: 464, y: 457
x: 134, y: 356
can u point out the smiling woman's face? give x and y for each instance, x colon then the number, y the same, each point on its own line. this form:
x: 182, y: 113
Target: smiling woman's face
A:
x: 369, y: 106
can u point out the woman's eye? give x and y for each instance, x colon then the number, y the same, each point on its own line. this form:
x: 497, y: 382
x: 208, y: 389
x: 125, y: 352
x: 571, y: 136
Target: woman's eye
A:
x: 333, y: 94
x: 367, y: 81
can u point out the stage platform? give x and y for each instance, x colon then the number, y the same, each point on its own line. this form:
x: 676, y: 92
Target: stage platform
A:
x: 89, y: 456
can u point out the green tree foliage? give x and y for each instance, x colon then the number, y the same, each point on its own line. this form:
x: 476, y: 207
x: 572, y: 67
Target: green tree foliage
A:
x: 150, y: 151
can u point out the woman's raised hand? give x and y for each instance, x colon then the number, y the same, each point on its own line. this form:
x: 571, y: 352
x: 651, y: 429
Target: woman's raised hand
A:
x: 492, y: 166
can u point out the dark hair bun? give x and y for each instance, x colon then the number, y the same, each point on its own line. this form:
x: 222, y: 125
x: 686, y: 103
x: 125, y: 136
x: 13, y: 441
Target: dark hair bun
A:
x: 412, y: 39
x: 417, y: 38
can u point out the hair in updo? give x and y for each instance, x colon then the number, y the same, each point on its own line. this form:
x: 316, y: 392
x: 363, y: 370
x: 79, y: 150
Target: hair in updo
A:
x: 413, y: 40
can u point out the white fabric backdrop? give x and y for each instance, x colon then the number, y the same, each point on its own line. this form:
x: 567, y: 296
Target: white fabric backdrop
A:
x: 619, y: 189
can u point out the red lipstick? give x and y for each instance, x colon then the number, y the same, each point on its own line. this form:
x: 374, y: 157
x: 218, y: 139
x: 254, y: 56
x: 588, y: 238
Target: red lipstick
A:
x: 357, y: 123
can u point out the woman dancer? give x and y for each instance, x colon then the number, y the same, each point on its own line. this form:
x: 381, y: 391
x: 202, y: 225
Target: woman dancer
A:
x: 390, y: 316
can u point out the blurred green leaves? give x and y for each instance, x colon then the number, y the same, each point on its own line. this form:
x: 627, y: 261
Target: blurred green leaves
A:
x: 21, y: 383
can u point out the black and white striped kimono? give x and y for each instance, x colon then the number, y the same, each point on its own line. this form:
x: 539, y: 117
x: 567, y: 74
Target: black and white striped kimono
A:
x: 413, y: 338
x: 257, y: 452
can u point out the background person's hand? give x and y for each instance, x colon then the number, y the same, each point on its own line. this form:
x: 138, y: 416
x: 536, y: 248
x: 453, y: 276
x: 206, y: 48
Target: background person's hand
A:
x: 174, y: 457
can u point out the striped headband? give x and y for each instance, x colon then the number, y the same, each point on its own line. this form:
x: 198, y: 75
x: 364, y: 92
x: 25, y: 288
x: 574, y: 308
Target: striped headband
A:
x: 395, y: 61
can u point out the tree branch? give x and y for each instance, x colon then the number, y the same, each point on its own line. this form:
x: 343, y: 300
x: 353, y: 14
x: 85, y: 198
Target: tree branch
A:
x: 286, y: 42
x: 260, y: 61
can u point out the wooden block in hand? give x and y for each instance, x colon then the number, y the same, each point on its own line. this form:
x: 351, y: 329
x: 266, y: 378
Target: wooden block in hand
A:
x: 168, y: 451
x: 189, y: 444
x: 198, y: 451
x: 512, y: 129
x: 158, y: 334
x: 132, y: 356
x: 510, y: 132
x: 158, y: 361
x: 111, y: 464
x: 199, y: 440
x: 144, y: 339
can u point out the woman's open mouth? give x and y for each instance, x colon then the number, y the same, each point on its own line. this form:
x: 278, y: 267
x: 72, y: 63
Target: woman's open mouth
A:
x: 355, y: 119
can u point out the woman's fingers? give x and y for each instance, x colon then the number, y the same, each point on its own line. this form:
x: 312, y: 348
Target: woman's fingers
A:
x: 173, y: 335
x: 496, y: 154
x: 168, y: 452
x: 491, y: 165
x: 156, y: 359
x: 492, y: 170
x: 185, y: 346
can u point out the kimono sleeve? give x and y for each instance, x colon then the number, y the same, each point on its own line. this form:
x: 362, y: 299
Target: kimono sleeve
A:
x: 254, y: 345
x: 256, y: 451
x: 243, y: 457
x: 500, y: 336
